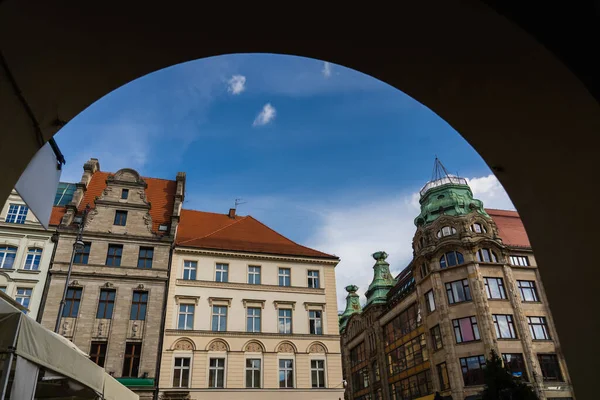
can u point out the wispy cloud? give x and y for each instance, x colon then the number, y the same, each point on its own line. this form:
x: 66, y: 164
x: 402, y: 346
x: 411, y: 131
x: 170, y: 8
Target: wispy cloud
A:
x: 266, y: 115
x: 326, y: 71
x: 237, y: 84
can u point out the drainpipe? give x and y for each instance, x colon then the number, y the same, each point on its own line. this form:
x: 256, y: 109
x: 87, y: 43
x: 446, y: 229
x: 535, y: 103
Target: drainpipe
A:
x: 54, y: 239
x: 163, y: 323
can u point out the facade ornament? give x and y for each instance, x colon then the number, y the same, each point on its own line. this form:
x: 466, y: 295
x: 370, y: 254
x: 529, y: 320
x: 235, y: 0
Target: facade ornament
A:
x: 285, y: 348
x: 140, y: 286
x: 217, y: 345
x: 74, y: 283
x: 109, y: 285
x: 254, y: 347
x: 382, y: 280
x: 134, y: 329
x: 100, y: 328
x: 184, y: 345
x: 317, y: 348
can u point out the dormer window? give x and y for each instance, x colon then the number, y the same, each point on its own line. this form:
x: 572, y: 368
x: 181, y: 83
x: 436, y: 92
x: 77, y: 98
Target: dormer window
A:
x: 163, y: 228
x: 446, y: 231
x: 478, y: 228
x: 451, y: 259
x: 120, y: 218
x: 486, y: 255
x: 124, y: 194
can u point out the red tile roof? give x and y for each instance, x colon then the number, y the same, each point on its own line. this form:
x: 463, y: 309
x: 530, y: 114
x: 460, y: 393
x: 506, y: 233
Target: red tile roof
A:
x: 57, y: 214
x: 220, y: 232
x: 510, y: 227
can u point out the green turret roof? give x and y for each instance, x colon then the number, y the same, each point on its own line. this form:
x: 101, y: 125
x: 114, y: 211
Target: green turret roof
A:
x: 382, y: 280
x: 352, y: 306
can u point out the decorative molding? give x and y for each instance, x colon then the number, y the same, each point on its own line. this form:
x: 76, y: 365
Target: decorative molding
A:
x: 256, y: 256
x: 109, y: 285
x: 254, y: 347
x: 219, y: 300
x: 279, y: 303
x: 140, y: 286
x: 312, y: 306
x: 317, y: 348
x: 247, y: 286
x: 183, y: 298
x: 253, y: 301
x: 218, y: 345
x: 184, y: 344
x: 286, y: 347
x: 242, y: 334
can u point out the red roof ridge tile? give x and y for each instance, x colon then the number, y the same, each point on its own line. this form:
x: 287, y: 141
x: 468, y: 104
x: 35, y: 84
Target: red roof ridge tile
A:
x: 505, y: 213
x: 212, y: 233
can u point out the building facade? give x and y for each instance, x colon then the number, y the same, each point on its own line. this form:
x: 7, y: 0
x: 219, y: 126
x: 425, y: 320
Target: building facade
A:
x: 473, y: 286
x: 25, y: 252
x: 250, y: 314
x: 116, y: 292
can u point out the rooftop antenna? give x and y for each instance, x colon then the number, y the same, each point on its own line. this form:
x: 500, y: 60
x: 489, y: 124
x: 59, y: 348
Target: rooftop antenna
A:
x: 439, y: 171
x: 238, y: 202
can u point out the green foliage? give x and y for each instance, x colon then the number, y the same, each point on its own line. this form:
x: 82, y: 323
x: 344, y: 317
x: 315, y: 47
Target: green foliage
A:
x: 500, y: 384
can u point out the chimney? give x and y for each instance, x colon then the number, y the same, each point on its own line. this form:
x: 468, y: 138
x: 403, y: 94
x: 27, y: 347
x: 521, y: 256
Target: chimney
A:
x: 232, y: 213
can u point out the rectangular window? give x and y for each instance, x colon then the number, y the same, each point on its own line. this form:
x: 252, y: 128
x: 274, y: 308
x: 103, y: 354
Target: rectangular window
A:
x: 402, y: 324
x: 124, y: 194
x: 538, y: 328
x: 131, y: 360
x: 528, y: 290
x: 72, y: 302
x: 185, y: 318
x: 430, y: 301
x: 32, y: 262
x: 409, y: 355
x: 254, y: 275
x: 7, y: 256
x: 505, y: 328
x: 17, y: 213
x: 139, y: 303
x: 285, y: 277
x: 286, y: 373
x: 413, y: 387
x: 120, y: 218
x: 82, y: 256
x: 313, y: 279
x: 522, y: 261
x: 458, y: 291
x: 315, y: 322
x: 145, y: 257
x: 113, y: 257
x: 495, y: 288
x: 465, y: 329
x: 253, y: 319
x: 357, y: 354
x: 253, y: 373
x: 216, y: 373
x: 442, y: 371
x: 98, y: 353
x: 285, y: 320
x: 219, y: 318
x: 550, y: 367
x: 181, y: 372
x: 23, y: 296
x: 486, y: 255
x: 472, y: 370
x: 189, y: 270
x: 222, y: 274
x: 516, y: 365
x: 317, y: 373
x: 436, y: 337
x: 106, y: 304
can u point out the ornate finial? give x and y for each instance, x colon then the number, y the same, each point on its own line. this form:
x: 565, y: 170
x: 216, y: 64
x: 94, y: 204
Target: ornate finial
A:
x: 383, y: 280
x: 351, y: 288
x: 352, y: 306
x: 380, y: 255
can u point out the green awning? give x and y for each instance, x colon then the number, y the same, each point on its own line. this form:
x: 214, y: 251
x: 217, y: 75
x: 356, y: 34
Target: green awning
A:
x: 136, y: 382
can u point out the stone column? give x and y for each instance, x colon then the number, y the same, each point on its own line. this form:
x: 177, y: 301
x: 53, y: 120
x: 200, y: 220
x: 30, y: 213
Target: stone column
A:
x: 487, y: 331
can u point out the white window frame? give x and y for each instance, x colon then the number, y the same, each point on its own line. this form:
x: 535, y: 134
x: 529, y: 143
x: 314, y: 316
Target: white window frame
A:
x: 446, y: 231
x: 313, y: 281
x: 317, y: 369
x: 219, y: 316
x: 190, y: 266
x: 187, y: 315
x: 221, y: 270
x: 254, y: 318
x: 217, y: 369
x: 293, y: 369
x: 430, y: 301
x: 316, y: 319
x: 190, y: 368
x: 253, y: 369
x: 519, y: 261
x: 18, y: 214
x: 284, y: 276
x: 36, y: 254
x: 254, y: 271
x: 5, y: 250
x: 24, y: 296
x: 476, y: 225
x: 291, y: 321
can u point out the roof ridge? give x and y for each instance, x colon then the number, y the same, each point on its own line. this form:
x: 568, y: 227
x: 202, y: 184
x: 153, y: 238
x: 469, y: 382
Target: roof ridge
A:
x: 210, y: 212
x: 212, y: 233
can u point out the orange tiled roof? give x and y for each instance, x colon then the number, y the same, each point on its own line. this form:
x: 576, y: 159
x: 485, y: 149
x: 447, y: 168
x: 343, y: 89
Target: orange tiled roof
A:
x: 510, y: 227
x: 56, y: 215
x: 220, y: 232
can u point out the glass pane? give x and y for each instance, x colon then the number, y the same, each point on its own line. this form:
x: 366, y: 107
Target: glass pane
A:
x: 465, y: 329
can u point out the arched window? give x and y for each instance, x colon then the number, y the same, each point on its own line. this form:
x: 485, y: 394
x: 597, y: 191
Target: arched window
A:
x: 486, y: 255
x: 451, y: 258
x: 7, y: 256
x: 446, y: 231
x: 478, y: 228
x: 32, y: 262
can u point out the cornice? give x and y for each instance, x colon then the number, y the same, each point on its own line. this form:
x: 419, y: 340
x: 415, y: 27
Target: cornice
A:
x: 253, y: 335
x: 117, y: 204
x: 87, y: 275
x: 255, y: 256
x: 251, y: 287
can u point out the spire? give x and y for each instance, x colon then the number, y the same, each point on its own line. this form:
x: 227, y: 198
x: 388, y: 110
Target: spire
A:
x: 382, y: 280
x: 352, y: 306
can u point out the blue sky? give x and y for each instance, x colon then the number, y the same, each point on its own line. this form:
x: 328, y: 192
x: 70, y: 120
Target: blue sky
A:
x: 327, y: 156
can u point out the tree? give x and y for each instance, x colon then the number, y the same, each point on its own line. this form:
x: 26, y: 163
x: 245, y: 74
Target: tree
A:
x: 501, y: 385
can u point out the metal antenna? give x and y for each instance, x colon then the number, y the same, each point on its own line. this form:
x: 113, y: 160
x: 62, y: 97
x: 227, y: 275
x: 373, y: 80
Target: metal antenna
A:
x: 238, y: 202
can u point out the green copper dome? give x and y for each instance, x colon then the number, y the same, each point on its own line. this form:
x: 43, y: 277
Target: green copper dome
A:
x: 382, y: 280
x: 352, y: 306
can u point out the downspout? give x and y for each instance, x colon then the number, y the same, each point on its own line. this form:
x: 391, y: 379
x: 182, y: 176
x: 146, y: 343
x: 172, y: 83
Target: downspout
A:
x: 54, y: 239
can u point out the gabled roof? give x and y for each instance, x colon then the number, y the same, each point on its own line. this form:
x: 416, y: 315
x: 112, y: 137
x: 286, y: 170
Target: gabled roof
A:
x: 510, y: 227
x: 220, y: 232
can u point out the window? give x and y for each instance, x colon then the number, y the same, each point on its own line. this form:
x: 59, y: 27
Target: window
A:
x: 515, y: 364
x: 145, y: 257
x: 189, y: 270
x: 186, y: 316
x: 442, y: 371
x: 550, y: 367
x: 216, y: 373
x: 465, y: 329
x: 486, y: 255
x: 430, y: 301
x: 64, y: 193
x: 131, y: 360
x: 285, y: 320
x: 315, y: 322
x: 139, y: 303
x: 23, y: 296
x: 82, y: 256
x: 495, y: 288
x: 313, y: 279
x: 106, y: 304
x: 72, y: 302
x: 505, y: 328
x: 284, y: 277
x: 181, y: 372
x: 538, y: 328
x: 360, y: 380
x: 522, y: 261
x: 17, y: 213
x: 357, y: 354
x: 113, y: 257
x: 403, y: 323
x: 254, y: 275
x: 458, y: 291
x: 446, y: 231
x: 436, y: 337
x: 317, y: 373
x: 286, y: 373
x: 253, y: 319
x: 253, y: 373
x: 451, y: 258
x: 120, y: 218
x: 472, y: 370
x: 528, y: 290
x: 410, y: 354
x: 32, y: 262
x: 413, y: 387
x: 7, y: 256
x: 478, y: 228
x: 222, y: 274
x: 98, y: 353
x: 376, y: 374
x: 124, y: 194
x: 219, y: 318
x: 424, y: 270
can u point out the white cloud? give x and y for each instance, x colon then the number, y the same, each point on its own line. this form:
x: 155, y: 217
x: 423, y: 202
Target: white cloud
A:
x: 266, y: 115
x: 489, y: 190
x: 326, y: 69
x: 237, y: 84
